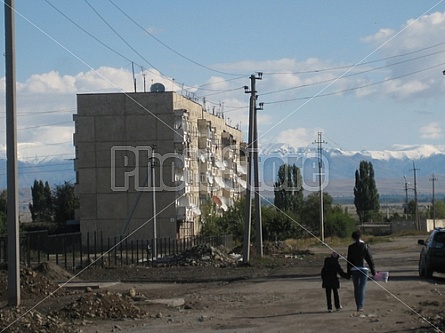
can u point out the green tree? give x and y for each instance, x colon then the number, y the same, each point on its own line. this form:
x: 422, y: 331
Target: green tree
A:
x: 278, y: 225
x: 439, y: 210
x: 65, y: 202
x: 339, y: 223
x: 41, y: 207
x: 310, y: 214
x: 231, y: 222
x: 288, y: 193
x: 209, y: 224
x: 366, y: 196
x: 411, y: 211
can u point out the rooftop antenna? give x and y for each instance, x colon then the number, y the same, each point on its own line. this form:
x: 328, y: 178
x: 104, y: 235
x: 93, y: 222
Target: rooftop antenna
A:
x: 203, y: 107
x: 144, y: 75
x: 134, y: 78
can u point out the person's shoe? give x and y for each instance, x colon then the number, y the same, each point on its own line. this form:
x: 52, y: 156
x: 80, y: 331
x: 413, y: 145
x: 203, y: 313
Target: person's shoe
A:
x: 338, y: 309
x: 359, y: 310
x: 329, y: 310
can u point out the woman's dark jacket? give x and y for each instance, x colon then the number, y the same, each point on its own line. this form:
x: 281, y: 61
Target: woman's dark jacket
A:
x: 358, y: 253
x: 329, y: 273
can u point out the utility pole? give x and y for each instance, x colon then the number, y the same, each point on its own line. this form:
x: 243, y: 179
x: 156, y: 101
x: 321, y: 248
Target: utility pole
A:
x: 250, y: 158
x: 153, y: 186
x: 415, y: 197
x: 256, y: 180
x: 11, y: 154
x: 406, y: 198
x: 433, y: 179
x: 320, y: 142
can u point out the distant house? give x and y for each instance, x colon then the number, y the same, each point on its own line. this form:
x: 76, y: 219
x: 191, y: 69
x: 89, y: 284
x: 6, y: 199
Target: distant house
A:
x: 197, y: 159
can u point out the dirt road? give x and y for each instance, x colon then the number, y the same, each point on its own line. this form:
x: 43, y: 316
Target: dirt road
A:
x: 287, y: 301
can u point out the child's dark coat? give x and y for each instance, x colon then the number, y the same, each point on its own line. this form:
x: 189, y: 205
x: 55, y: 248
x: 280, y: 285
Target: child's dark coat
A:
x: 329, y: 273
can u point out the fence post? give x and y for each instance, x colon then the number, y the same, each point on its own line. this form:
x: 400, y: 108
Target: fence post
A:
x: 38, y: 249
x: 109, y: 251
x: 80, y: 250
x: 74, y: 253
x: 126, y: 251
x: 64, y: 251
x: 132, y: 258
x: 115, y: 251
x: 120, y: 249
x: 101, y: 249
x: 137, y: 251
x: 148, y: 252
x: 56, y: 248
x: 95, y: 248
x: 88, y: 248
x: 29, y: 249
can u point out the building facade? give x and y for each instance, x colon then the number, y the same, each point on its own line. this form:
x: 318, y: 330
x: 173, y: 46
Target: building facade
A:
x: 147, y: 163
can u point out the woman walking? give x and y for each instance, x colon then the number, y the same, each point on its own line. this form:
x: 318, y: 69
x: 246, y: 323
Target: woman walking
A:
x: 358, y: 253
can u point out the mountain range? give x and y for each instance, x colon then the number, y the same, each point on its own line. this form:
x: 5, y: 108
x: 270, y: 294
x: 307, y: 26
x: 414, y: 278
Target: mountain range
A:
x: 339, y: 166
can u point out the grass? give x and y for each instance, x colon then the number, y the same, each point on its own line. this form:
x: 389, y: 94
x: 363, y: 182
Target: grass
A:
x: 305, y: 243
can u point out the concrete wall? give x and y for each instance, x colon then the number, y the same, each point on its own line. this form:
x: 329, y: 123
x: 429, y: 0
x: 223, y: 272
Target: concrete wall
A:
x: 431, y: 224
x: 425, y: 225
x: 110, y: 177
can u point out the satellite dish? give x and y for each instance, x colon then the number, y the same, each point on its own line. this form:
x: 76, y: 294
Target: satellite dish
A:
x: 157, y: 87
x: 217, y: 201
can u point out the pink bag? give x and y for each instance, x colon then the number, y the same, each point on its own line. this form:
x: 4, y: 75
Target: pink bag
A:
x: 381, y: 276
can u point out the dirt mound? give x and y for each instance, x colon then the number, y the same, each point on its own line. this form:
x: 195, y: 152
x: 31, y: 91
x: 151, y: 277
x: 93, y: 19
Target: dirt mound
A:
x: 32, y: 284
x: 204, y: 255
x: 53, y: 272
x: 21, y: 321
x: 104, y: 305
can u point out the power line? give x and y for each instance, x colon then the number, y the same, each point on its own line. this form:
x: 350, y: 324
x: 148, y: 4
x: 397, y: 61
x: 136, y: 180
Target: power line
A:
x: 355, y: 88
x: 360, y: 64
x: 350, y: 75
x: 169, y: 48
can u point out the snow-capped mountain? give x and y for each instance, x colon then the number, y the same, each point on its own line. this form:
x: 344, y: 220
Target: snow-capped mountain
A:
x: 54, y: 171
x: 339, y: 166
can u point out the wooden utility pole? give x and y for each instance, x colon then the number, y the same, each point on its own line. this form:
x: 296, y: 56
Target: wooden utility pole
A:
x: 153, y: 186
x: 252, y: 158
x: 11, y: 148
x: 415, y: 197
x: 320, y: 142
x: 256, y: 180
x: 433, y: 179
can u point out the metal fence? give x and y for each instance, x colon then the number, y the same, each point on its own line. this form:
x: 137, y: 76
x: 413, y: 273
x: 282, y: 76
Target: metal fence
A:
x: 69, y: 252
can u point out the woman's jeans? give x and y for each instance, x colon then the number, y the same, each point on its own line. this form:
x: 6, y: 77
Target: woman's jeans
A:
x: 359, y: 279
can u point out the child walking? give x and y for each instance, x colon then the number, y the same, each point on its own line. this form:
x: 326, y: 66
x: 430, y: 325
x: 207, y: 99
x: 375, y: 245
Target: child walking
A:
x: 330, y: 280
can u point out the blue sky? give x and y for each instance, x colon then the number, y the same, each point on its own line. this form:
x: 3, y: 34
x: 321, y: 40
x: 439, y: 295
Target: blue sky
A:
x: 366, y: 74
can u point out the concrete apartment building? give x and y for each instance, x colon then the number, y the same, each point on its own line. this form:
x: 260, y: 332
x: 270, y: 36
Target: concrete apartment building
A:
x: 198, y: 160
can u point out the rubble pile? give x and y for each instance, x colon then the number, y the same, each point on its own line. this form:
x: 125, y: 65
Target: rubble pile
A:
x: 104, y: 305
x: 204, y: 255
x: 53, y: 272
x: 32, y: 283
x: 21, y: 320
x: 277, y: 247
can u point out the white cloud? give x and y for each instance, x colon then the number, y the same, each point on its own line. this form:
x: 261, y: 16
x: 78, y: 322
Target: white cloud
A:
x: 431, y: 131
x: 415, y: 57
x: 297, y: 137
x: 48, y: 82
x: 46, y: 142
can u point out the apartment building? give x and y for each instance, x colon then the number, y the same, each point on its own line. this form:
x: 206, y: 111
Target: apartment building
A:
x: 147, y: 163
